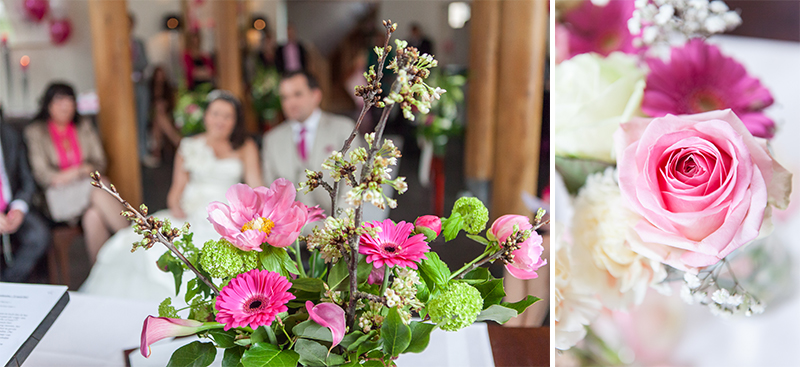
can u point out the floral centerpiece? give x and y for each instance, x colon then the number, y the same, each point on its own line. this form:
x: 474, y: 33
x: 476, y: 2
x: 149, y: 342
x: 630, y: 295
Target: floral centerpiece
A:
x: 664, y: 143
x: 266, y: 101
x: 189, y: 108
x: 253, y: 295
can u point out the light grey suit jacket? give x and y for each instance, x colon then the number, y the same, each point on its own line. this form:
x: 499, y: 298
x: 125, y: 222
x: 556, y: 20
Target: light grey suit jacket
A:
x: 281, y: 159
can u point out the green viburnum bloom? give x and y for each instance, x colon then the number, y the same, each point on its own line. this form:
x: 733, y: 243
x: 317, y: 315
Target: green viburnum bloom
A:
x: 222, y: 260
x: 165, y: 309
x: 473, y: 212
x: 457, y: 307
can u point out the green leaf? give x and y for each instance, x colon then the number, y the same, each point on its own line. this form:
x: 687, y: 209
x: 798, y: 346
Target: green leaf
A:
x: 315, y: 354
x: 233, y: 357
x: 491, y: 291
x: 394, y: 333
x: 497, y: 313
x: 224, y: 339
x: 311, y: 330
x: 194, y: 354
x: 434, y: 271
x: 338, y: 275
x: 259, y: 335
x: 350, y: 339
x: 266, y: 354
x: 307, y: 285
x: 177, y: 274
x: 277, y: 260
x: 430, y: 234
x: 451, y: 226
x: 520, y: 306
x: 164, y: 260
x: 363, y: 338
x: 479, y: 274
x: 420, y: 336
x: 191, y: 290
x: 423, y: 293
x: 367, y: 346
x: 363, y: 270
x: 479, y: 239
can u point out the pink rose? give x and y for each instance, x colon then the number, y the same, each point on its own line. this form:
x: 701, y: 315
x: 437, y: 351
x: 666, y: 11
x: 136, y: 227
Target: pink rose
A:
x: 528, y: 258
x: 701, y: 183
x: 431, y: 222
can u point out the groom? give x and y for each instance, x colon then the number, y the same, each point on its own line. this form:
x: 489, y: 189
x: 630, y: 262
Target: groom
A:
x: 305, y: 139
x: 25, y: 227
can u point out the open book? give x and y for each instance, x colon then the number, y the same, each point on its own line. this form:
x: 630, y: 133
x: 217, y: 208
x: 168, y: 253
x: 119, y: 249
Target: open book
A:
x: 26, y: 313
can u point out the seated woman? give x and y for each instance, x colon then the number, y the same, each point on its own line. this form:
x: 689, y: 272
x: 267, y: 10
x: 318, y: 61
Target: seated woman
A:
x: 63, y: 149
x: 205, y: 167
x: 162, y: 105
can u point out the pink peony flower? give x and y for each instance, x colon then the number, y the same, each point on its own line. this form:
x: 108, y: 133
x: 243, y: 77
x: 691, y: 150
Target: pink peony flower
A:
x: 253, y: 298
x: 528, y: 258
x: 315, y: 214
x: 157, y: 328
x: 698, y: 78
x: 599, y: 29
x: 702, y: 184
x: 431, y: 222
x: 330, y: 316
x: 392, y: 245
x: 256, y: 216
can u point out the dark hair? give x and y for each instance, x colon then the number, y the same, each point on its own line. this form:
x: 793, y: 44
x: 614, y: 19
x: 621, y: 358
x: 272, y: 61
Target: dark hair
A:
x: 312, y: 82
x: 168, y: 90
x: 54, y: 90
x: 239, y: 134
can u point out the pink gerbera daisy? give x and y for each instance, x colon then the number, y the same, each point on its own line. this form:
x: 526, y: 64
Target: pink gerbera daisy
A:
x: 698, y: 78
x: 253, y: 298
x: 392, y: 245
x: 259, y: 215
x: 600, y: 29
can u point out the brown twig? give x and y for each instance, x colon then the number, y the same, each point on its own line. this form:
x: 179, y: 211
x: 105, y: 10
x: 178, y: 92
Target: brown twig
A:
x: 370, y: 296
x: 143, y: 222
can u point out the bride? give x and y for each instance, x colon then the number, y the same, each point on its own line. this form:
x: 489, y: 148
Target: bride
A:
x: 205, y: 167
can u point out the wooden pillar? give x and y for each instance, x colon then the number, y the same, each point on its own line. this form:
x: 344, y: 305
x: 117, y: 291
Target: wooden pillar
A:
x: 519, y: 93
x: 229, y: 56
x: 483, y: 60
x: 117, y: 117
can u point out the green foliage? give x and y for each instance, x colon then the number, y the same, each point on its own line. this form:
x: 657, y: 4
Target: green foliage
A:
x: 266, y: 354
x: 491, y: 291
x: 521, y: 306
x: 497, y: 313
x: 451, y: 226
x: 434, y: 271
x: 189, y: 109
x: 311, y: 330
x: 233, y: 357
x: 194, y: 354
x: 430, y: 234
x: 224, y: 339
x: 338, y: 277
x: 277, y: 259
x: 420, y: 336
x: 168, y: 263
x: 315, y: 354
x: 479, y: 239
x: 395, y: 335
x: 165, y: 309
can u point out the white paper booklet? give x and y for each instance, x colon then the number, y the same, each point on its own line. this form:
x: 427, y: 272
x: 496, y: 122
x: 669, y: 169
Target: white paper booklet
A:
x: 26, y: 313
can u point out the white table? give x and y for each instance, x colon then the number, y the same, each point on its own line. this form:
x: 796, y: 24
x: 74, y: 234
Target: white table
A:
x: 94, y: 331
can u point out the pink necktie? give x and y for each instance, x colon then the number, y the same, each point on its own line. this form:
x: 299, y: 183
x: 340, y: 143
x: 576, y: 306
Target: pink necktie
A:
x: 3, y: 202
x: 301, y: 146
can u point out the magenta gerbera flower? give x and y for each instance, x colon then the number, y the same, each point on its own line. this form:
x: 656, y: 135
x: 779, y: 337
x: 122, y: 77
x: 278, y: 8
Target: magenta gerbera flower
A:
x: 600, y: 29
x: 392, y: 245
x: 259, y: 215
x: 698, y: 78
x: 253, y: 298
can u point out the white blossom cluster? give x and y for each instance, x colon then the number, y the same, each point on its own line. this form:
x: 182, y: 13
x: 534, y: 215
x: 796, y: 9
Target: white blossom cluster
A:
x: 403, y: 291
x: 721, y: 302
x: 676, y: 21
x: 370, y: 189
x: 371, y: 317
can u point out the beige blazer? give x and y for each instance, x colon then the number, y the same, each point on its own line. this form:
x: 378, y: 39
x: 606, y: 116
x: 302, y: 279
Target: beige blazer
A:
x: 281, y: 159
x: 44, y: 158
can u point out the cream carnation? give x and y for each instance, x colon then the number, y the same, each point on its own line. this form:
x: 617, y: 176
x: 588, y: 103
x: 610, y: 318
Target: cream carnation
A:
x: 601, y: 229
x: 592, y: 95
x: 575, y: 304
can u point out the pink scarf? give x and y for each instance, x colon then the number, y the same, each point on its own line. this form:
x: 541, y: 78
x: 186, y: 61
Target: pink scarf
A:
x: 66, y: 159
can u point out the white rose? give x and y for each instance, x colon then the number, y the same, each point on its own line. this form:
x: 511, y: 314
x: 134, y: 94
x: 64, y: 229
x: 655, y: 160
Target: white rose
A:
x: 601, y: 227
x: 575, y: 304
x: 592, y: 95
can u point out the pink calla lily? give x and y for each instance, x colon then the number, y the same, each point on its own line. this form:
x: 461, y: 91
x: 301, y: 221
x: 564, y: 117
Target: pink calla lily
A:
x: 330, y: 316
x: 157, y: 328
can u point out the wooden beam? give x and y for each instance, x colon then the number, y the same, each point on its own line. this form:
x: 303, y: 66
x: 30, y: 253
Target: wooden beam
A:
x: 117, y: 116
x: 483, y: 61
x: 519, y: 93
x: 229, y: 56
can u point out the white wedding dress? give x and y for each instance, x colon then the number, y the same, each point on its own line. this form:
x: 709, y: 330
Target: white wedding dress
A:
x: 120, y: 273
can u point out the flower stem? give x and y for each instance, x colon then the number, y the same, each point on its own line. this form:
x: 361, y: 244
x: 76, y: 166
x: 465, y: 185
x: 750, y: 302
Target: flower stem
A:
x: 385, y: 280
x: 460, y: 273
x: 299, y: 258
x: 466, y: 266
x: 271, y: 335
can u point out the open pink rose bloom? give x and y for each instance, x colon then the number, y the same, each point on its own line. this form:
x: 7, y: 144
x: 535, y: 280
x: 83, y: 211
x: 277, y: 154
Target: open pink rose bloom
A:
x: 528, y: 258
x: 259, y: 215
x: 702, y: 182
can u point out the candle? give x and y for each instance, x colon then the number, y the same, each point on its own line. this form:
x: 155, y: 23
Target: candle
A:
x: 24, y: 62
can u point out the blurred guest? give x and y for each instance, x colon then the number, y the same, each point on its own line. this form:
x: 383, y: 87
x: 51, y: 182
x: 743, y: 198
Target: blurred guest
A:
x: 291, y: 56
x: 420, y: 40
x: 139, y: 63
x: 206, y: 166
x: 307, y: 137
x: 18, y: 219
x: 266, y: 53
x: 63, y: 150
x: 198, y: 65
x: 161, y: 118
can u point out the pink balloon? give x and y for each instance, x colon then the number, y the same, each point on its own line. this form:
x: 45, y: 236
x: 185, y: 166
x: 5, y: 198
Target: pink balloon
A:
x: 36, y: 9
x: 60, y: 30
